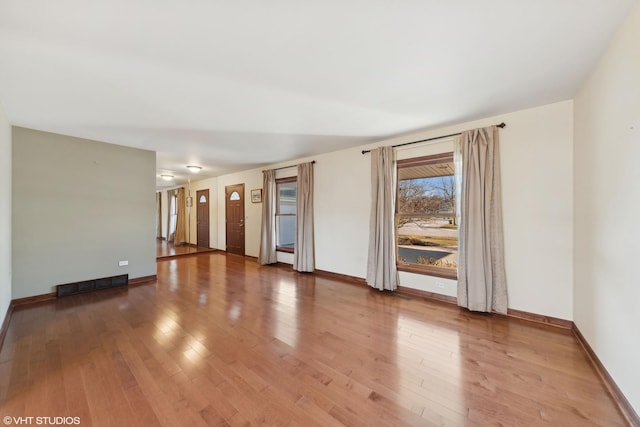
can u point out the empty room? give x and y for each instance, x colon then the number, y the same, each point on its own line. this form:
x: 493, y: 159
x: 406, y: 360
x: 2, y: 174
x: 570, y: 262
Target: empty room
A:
x: 361, y: 213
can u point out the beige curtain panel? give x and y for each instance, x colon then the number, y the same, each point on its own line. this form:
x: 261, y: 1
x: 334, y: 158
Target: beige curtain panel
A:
x: 482, y: 284
x: 382, y: 273
x: 267, y: 253
x: 181, y: 224
x: 304, y: 250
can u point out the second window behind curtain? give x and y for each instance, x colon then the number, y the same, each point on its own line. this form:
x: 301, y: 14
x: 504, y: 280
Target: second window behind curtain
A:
x: 286, y: 212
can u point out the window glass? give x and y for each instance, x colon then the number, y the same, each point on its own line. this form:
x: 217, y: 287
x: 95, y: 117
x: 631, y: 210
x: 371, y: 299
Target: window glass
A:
x: 234, y: 196
x: 427, y: 228
x: 173, y: 214
x: 287, y: 197
x: 286, y: 231
x: 286, y: 190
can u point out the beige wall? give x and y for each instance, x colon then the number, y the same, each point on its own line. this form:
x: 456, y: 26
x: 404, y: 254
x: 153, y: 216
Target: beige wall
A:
x: 5, y: 215
x: 79, y: 207
x: 607, y: 208
x: 537, y: 186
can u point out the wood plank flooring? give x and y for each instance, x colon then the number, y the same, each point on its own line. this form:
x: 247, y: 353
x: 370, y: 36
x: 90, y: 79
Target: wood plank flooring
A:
x: 219, y: 340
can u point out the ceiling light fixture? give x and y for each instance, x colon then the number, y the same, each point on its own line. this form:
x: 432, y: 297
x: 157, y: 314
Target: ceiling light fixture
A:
x: 194, y: 169
x: 166, y: 177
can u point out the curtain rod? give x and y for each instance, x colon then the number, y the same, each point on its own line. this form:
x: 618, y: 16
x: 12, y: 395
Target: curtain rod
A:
x: 287, y: 167
x: 501, y: 125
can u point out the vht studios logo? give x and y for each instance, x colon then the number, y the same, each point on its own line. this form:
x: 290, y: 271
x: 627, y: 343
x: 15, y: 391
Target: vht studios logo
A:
x: 42, y: 421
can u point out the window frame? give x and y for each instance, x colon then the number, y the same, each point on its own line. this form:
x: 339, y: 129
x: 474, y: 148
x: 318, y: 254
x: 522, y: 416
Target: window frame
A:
x: 427, y: 270
x: 279, y: 181
x: 173, y: 214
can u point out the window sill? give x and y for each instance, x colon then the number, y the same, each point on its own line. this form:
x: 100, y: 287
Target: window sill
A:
x: 284, y: 249
x: 428, y: 271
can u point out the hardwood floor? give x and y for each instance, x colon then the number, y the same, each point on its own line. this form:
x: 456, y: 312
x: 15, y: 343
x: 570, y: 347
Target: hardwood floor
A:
x: 219, y: 340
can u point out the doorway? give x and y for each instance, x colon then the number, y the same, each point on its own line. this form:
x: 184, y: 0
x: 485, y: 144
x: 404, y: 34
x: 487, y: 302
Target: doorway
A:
x: 202, y: 218
x: 234, y: 204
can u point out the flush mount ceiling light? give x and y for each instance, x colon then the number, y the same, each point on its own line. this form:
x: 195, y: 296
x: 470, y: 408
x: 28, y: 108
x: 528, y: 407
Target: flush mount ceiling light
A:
x: 194, y: 169
x: 166, y: 177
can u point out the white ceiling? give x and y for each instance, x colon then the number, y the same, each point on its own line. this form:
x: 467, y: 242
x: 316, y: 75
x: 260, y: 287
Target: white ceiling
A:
x: 231, y: 85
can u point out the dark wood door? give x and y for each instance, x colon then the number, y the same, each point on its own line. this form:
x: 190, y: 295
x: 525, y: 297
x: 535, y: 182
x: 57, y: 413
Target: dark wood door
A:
x: 234, y: 203
x: 202, y: 217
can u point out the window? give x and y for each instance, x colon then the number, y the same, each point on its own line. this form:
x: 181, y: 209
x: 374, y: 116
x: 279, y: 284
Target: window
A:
x: 426, y: 216
x: 286, y: 190
x: 173, y: 214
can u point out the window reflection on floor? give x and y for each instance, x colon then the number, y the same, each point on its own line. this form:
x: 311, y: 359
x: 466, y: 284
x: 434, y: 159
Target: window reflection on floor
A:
x: 437, y: 349
x: 285, y: 311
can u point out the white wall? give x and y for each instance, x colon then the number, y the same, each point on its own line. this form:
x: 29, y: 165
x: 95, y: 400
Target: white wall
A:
x: 607, y: 209
x: 537, y: 185
x: 79, y: 207
x: 537, y: 196
x: 5, y: 215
